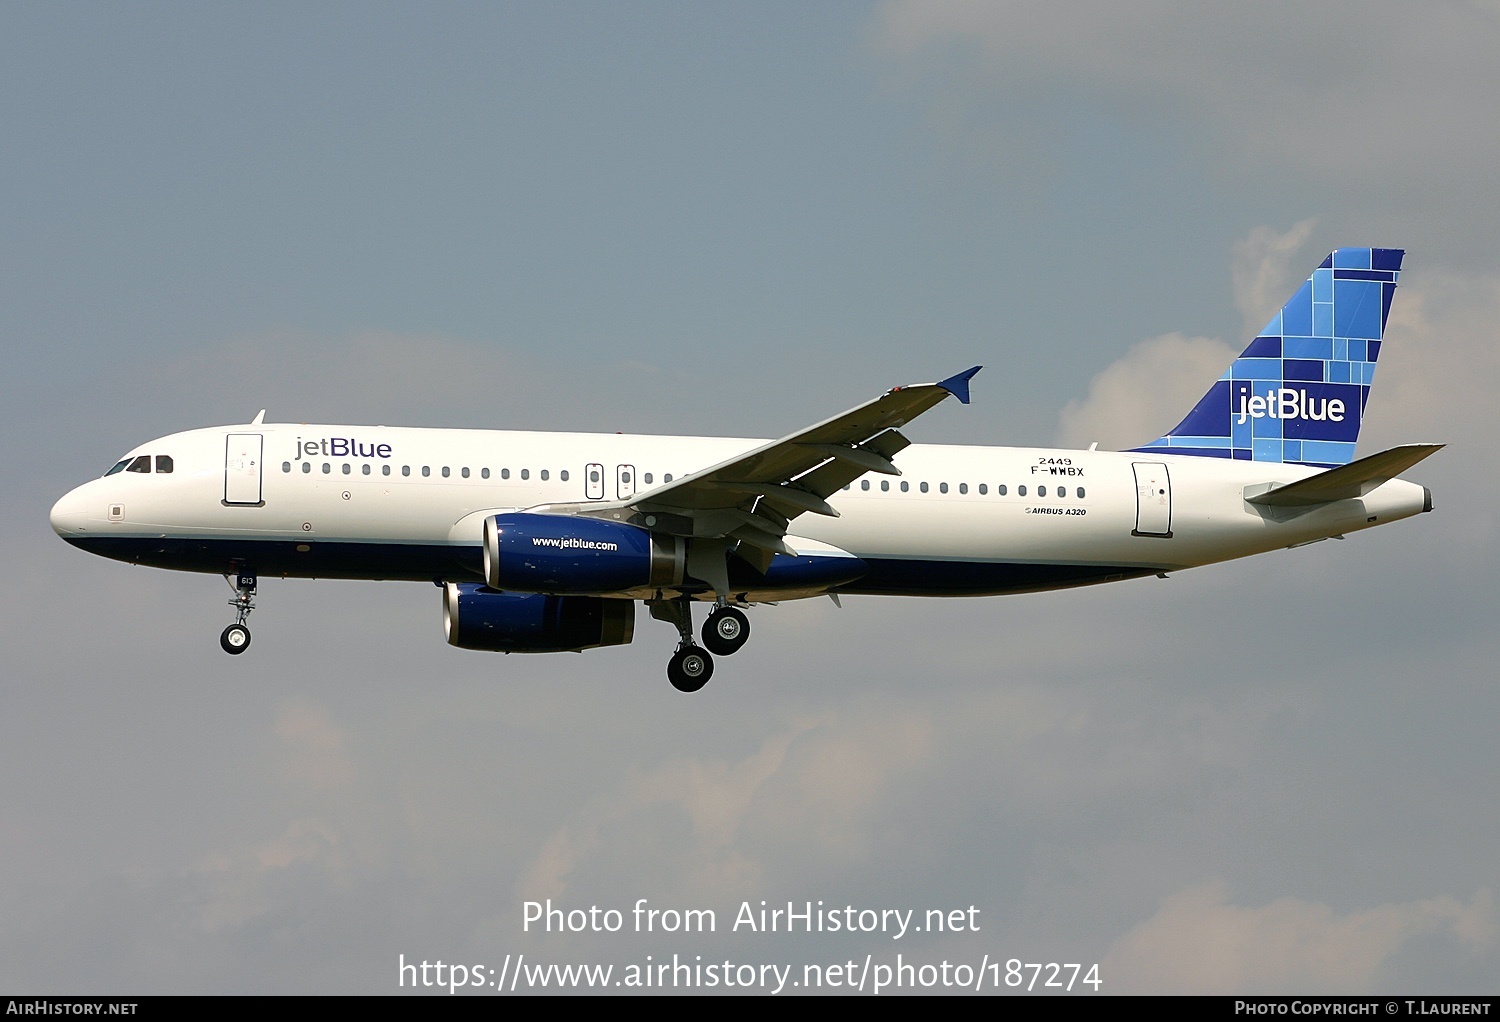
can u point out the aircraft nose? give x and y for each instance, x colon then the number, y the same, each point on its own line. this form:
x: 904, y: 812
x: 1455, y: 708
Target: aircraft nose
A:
x: 68, y: 514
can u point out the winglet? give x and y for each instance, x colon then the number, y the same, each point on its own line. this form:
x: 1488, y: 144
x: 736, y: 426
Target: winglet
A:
x: 958, y: 385
x: 260, y: 417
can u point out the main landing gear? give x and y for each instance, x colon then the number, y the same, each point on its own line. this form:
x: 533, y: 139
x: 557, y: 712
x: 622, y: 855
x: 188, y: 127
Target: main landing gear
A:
x: 236, y: 638
x: 690, y: 668
x: 726, y: 630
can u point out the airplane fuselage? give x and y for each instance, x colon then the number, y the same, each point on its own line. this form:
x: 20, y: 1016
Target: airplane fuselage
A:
x: 377, y: 502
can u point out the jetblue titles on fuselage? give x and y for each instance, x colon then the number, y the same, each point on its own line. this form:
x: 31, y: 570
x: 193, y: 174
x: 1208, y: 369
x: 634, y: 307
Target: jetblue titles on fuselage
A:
x: 340, y: 447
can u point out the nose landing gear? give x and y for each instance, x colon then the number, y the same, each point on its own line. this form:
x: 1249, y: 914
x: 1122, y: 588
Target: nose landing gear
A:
x: 236, y: 638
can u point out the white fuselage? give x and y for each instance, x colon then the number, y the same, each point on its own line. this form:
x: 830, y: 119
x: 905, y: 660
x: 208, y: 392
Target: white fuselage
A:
x: 383, y: 502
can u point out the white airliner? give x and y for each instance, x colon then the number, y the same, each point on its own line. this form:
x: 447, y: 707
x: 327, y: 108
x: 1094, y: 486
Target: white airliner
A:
x: 542, y: 542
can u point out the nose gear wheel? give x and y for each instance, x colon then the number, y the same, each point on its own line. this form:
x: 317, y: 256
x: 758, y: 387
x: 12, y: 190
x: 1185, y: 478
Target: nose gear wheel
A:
x: 236, y: 638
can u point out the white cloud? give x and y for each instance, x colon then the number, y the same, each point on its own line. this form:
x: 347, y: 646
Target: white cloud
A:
x: 312, y: 747
x: 1265, y: 272
x: 231, y: 889
x: 1442, y: 358
x: 1198, y: 942
x: 1145, y: 393
x: 818, y: 779
x: 1148, y: 390
x: 1437, y: 367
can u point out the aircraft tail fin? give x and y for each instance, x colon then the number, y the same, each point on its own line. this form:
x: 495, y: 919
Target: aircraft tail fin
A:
x: 1297, y: 394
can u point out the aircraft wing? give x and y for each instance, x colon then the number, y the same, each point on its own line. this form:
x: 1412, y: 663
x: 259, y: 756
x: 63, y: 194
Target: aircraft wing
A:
x: 754, y: 496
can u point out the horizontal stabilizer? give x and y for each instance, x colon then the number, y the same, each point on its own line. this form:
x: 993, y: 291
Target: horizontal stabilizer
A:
x: 1347, y: 481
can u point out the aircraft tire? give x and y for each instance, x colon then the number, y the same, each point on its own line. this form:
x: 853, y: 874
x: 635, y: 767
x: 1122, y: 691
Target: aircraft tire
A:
x: 235, y: 639
x: 689, y: 669
x: 726, y: 631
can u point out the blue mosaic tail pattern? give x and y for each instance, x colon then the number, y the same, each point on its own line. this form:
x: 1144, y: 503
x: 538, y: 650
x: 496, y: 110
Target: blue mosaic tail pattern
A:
x: 1297, y: 394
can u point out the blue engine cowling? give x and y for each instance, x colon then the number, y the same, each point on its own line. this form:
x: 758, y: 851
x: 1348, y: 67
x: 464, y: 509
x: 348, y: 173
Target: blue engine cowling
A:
x: 540, y: 553
x: 478, y: 617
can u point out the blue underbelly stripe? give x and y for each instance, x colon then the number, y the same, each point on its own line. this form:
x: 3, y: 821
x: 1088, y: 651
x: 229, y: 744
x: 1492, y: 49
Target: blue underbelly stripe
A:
x: 424, y: 562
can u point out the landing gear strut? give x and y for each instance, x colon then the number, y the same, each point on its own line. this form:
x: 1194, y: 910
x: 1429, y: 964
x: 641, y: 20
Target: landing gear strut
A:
x: 726, y: 630
x: 236, y: 638
x: 691, y: 666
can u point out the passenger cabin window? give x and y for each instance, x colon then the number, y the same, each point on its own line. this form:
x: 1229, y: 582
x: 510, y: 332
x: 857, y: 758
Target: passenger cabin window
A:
x: 1001, y: 490
x: 505, y: 473
x: 164, y: 463
x: 464, y: 471
x: 445, y: 471
x: 406, y: 470
x: 563, y: 475
x: 525, y: 473
x: 286, y: 466
x: 141, y: 464
x: 484, y: 473
x: 905, y: 486
x: 306, y: 466
x: 544, y: 475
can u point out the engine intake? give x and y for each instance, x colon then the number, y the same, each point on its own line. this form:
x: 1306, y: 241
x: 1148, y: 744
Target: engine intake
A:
x: 478, y: 617
x: 539, y: 553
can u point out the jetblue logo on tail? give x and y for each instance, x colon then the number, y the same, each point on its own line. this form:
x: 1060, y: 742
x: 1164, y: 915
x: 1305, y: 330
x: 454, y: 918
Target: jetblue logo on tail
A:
x: 1297, y: 393
x: 1286, y: 403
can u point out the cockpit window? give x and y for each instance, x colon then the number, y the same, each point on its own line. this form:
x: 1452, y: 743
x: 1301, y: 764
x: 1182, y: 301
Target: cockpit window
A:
x: 163, y: 463
x: 119, y: 467
x: 141, y: 464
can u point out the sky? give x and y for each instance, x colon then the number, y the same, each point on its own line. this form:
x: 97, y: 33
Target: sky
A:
x: 1269, y: 776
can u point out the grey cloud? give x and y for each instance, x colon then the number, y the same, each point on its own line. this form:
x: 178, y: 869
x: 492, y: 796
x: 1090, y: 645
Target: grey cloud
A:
x: 1200, y: 942
x: 1340, y: 93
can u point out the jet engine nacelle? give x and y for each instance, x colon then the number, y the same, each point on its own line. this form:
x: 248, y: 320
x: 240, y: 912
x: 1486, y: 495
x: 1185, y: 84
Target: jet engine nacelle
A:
x: 540, y: 553
x: 478, y: 617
